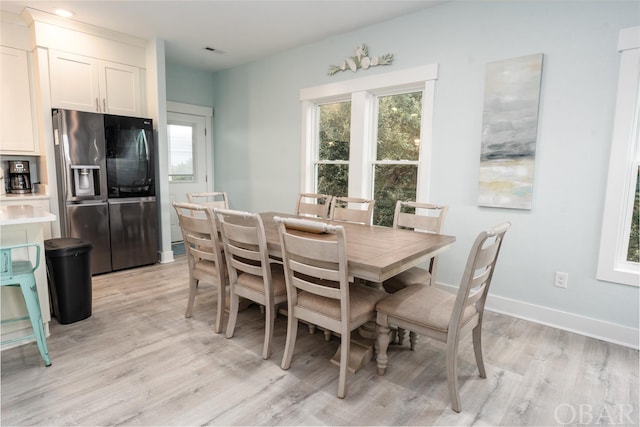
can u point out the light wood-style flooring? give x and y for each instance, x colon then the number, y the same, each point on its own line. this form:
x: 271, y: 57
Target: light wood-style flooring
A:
x: 138, y: 361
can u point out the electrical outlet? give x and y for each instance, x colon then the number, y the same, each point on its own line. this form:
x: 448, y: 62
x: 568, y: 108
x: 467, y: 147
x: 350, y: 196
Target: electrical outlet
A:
x: 562, y: 279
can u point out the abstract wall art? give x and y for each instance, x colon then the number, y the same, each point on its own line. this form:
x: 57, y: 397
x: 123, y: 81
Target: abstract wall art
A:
x: 509, y: 129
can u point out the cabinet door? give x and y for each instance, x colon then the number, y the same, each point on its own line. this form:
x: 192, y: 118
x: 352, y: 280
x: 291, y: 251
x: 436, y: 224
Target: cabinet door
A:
x: 74, y: 82
x: 120, y: 89
x: 16, y: 120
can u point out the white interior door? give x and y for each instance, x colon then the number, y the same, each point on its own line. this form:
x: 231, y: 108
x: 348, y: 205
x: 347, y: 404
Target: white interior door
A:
x: 189, y: 160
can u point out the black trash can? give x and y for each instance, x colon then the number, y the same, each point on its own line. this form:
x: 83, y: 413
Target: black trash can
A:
x: 69, y: 274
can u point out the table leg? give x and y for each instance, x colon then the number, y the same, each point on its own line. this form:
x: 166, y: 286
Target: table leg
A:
x: 361, y: 352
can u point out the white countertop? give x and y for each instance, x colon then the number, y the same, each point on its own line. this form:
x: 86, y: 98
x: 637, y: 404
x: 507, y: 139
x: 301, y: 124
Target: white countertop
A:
x: 26, y: 197
x: 24, y: 214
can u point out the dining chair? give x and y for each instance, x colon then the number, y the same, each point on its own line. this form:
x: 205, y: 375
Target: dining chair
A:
x: 19, y: 273
x: 444, y: 316
x: 314, y: 205
x: 318, y: 290
x: 351, y: 209
x: 425, y: 217
x: 252, y: 274
x: 211, y: 199
x: 204, y: 254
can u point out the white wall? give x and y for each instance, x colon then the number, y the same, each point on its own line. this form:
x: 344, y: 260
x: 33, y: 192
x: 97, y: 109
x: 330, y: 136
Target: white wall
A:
x: 257, y: 142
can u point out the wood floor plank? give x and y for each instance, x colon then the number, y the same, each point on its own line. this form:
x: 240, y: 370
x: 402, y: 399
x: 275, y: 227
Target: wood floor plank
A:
x: 138, y: 361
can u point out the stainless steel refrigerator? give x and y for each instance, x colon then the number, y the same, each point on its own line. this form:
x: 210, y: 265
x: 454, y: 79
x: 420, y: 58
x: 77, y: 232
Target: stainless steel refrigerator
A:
x: 105, y: 172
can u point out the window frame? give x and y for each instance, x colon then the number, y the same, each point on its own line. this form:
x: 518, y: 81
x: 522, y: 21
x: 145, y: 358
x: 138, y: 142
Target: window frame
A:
x: 363, y: 92
x: 612, y: 261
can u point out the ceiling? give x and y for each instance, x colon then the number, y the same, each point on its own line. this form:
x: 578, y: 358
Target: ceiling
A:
x: 240, y: 31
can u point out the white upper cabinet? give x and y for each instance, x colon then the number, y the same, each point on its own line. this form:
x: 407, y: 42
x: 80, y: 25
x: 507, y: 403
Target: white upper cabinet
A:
x: 89, y: 84
x: 16, y: 114
x: 74, y: 82
x: 120, y: 87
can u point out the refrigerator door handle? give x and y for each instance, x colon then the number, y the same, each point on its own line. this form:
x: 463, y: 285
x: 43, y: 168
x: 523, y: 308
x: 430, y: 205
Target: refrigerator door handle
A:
x: 87, y: 203
x: 132, y: 200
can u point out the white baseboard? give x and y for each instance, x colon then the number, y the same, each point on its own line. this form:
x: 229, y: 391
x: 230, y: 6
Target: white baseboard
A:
x: 166, y: 256
x: 590, y: 327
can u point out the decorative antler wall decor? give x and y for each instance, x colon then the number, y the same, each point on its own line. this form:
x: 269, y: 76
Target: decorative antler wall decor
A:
x: 362, y: 60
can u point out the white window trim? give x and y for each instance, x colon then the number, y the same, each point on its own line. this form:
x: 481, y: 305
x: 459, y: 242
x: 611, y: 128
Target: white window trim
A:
x: 362, y: 92
x: 611, y: 264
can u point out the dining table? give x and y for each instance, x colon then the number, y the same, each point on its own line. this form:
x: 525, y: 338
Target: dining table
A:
x: 374, y: 254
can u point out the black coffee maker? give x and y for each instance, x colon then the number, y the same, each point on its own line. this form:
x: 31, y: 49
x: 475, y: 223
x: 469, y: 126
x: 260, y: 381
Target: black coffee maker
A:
x: 19, y: 177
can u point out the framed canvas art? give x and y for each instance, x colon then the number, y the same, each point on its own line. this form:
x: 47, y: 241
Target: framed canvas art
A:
x: 509, y: 129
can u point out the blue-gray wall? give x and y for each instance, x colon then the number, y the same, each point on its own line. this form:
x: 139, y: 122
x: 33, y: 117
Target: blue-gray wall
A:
x: 189, y: 86
x: 257, y: 138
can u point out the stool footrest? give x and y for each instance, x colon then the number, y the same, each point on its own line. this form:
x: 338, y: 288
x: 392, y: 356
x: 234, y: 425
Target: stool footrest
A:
x: 16, y: 319
x: 18, y: 339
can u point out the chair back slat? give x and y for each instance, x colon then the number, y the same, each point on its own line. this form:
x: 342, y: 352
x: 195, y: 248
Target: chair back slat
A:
x: 424, y: 216
x: 314, y: 205
x: 478, y: 273
x: 352, y: 209
x: 486, y: 255
x: 245, y: 245
x: 210, y: 199
x: 200, y: 233
x: 242, y: 236
x: 315, y: 263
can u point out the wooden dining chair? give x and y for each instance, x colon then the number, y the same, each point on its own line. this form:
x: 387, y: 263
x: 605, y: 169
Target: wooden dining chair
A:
x: 314, y: 205
x: 252, y: 274
x: 425, y: 217
x: 211, y: 199
x: 351, y: 209
x: 318, y: 290
x: 204, y: 254
x: 444, y: 316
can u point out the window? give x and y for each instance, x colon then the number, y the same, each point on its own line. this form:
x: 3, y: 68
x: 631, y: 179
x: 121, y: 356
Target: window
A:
x: 332, y: 165
x: 370, y: 138
x: 181, y: 147
x: 619, y: 257
x: 395, y: 169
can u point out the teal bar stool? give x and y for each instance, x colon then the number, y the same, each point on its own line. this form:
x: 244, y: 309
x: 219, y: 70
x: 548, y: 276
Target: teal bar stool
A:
x: 20, y: 273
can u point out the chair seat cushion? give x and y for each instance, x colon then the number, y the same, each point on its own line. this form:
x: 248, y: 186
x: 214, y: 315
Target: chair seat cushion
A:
x: 407, y: 278
x: 363, y: 300
x: 256, y: 283
x: 426, y: 306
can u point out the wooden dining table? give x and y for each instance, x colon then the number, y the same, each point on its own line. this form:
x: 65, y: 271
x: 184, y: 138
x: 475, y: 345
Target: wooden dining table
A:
x: 374, y: 254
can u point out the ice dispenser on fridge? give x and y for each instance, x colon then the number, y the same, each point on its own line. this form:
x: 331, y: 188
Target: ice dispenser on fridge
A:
x: 86, y: 180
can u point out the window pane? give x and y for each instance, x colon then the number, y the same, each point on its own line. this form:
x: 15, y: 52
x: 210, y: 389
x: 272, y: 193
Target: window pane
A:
x: 399, y: 118
x: 392, y: 183
x: 633, y: 253
x: 333, y: 179
x: 180, y: 152
x: 335, y: 130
